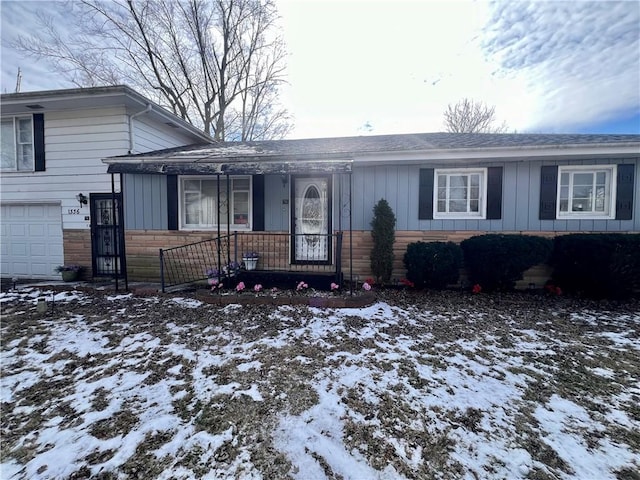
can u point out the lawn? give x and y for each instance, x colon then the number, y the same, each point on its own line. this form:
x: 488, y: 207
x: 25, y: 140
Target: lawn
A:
x: 417, y: 386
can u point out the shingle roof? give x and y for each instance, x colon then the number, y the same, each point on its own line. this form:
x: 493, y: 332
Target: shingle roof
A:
x: 388, y: 143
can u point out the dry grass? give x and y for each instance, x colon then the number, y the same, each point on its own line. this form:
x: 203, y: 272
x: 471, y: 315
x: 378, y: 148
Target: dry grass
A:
x: 419, y: 385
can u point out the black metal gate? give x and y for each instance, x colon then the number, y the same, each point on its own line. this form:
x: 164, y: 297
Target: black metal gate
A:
x: 107, y: 236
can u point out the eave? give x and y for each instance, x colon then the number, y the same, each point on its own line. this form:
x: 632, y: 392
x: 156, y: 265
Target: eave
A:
x: 232, y: 168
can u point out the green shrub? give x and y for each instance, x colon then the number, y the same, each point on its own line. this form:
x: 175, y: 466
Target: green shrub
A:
x: 433, y: 264
x: 383, y: 233
x: 496, y: 262
x: 597, y: 265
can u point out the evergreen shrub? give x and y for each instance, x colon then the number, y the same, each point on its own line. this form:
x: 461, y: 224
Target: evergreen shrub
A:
x: 433, y: 264
x: 383, y: 232
x: 497, y: 261
x: 597, y: 265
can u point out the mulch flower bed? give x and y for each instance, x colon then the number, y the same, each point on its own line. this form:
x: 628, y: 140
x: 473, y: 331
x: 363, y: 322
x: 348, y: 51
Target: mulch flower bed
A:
x: 358, y: 300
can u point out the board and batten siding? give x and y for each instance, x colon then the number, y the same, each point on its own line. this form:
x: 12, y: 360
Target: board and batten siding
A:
x: 146, y: 206
x: 145, y: 202
x: 399, y: 185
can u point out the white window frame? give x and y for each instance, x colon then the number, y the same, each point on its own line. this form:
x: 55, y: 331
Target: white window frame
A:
x: 223, y: 182
x: 482, y: 196
x: 16, y: 143
x: 611, y: 172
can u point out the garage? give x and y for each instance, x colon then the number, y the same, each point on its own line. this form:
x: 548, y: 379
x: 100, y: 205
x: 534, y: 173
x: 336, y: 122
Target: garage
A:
x: 31, y: 240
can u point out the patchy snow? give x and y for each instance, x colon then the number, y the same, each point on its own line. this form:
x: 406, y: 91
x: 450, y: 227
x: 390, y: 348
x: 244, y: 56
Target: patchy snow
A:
x: 174, y: 388
x: 187, y: 302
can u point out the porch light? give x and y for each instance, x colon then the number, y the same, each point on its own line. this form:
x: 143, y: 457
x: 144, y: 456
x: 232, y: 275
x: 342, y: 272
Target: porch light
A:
x: 82, y: 199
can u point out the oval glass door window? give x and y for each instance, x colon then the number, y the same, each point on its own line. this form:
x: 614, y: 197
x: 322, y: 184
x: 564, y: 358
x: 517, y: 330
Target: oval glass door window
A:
x: 311, y: 211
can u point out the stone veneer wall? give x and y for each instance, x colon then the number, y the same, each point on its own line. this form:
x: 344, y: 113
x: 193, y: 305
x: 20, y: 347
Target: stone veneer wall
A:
x: 77, y: 249
x: 143, y: 263
x: 363, y: 243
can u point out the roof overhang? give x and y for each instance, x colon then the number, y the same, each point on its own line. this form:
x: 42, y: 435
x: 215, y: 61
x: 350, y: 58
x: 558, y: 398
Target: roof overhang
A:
x: 268, y: 167
x: 517, y: 154
x: 92, y: 97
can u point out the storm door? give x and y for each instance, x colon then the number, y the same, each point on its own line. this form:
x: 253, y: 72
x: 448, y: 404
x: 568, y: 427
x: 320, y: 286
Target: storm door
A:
x: 311, y: 220
x: 106, y: 235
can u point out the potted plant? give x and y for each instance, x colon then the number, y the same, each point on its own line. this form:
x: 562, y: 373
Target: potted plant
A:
x: 70, y: 273
x: 250, y: 260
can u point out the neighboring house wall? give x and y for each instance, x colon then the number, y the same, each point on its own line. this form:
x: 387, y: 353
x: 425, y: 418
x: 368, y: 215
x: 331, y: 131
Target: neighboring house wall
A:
x: 75, y: 142
x: 150, y: 135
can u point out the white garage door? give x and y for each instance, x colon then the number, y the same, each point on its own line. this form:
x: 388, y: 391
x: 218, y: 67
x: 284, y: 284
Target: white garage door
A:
x: 31, y: 240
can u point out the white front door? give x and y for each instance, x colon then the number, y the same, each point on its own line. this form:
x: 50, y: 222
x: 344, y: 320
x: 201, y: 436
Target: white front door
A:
x: 312, y: 213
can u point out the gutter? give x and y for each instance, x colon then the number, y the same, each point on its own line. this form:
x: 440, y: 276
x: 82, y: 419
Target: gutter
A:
x: 131, y: 117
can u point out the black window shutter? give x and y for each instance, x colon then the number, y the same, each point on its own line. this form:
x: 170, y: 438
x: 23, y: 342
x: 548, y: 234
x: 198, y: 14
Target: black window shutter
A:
x: 624, y: 192
x: 172, y: 202
x: 38, y: 142
x: 548, y: 192
x: 494, y: 193
x: 425, y: 194
x: 258, y: 203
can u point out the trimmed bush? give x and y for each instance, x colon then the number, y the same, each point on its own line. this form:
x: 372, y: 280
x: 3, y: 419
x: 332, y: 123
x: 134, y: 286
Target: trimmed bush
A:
x: 383, y: 232
x: 433, y: 264
x: 496, y: 262
x: 597, y: 265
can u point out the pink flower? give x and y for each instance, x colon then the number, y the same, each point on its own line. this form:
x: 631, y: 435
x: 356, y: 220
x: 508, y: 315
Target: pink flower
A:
x: 257, y: 287
x: 301, y: 286
x: 240, y: 287
x: 476, y: 288
x: 334, y: 286
x: 274, y: 289
x: 366, y: 286
x: 213, y: 282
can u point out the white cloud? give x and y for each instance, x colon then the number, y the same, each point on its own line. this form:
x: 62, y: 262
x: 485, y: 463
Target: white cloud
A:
x: 580, y: 61
x: 545, y: 65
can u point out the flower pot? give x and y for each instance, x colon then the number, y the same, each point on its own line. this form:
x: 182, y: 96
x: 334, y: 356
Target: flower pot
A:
x: 250, y: 263
x: 69, y: 275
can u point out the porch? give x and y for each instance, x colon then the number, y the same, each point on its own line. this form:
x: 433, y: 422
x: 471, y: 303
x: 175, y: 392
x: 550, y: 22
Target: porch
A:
x: 291, y: 210
x: 273, y: 259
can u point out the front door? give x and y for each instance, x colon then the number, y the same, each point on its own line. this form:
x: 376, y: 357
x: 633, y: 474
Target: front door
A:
x: 311, y: 219
x: 106, y: 235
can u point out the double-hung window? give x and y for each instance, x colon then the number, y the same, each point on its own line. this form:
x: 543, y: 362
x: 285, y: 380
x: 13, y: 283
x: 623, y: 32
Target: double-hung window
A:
x: 17, y: 144
x: 460, y: 193
x: 586, y: 192
x: 199, y: 202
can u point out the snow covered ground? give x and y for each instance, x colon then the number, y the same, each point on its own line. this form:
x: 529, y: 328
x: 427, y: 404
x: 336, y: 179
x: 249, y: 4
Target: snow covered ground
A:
x: 436, y: 385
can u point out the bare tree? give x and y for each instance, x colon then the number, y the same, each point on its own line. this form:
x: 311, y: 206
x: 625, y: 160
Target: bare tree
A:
x: 470, y: 116
x: 216, y: 63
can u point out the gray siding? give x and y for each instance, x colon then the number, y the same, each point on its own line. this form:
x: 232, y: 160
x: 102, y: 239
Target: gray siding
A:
x: 276, y: 213
x: 520, y: 201
x: 145, y: 202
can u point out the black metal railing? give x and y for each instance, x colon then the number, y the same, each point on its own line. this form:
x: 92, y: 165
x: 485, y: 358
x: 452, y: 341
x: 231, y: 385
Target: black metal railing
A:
x: 259, y: 251
x: 189, y: 263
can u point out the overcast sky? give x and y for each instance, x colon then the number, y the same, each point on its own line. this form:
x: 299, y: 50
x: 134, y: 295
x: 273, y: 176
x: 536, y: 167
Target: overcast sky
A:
x: 375, y: 67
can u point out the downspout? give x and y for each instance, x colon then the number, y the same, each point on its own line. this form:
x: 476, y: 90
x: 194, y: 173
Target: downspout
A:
x: 131, y: 117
